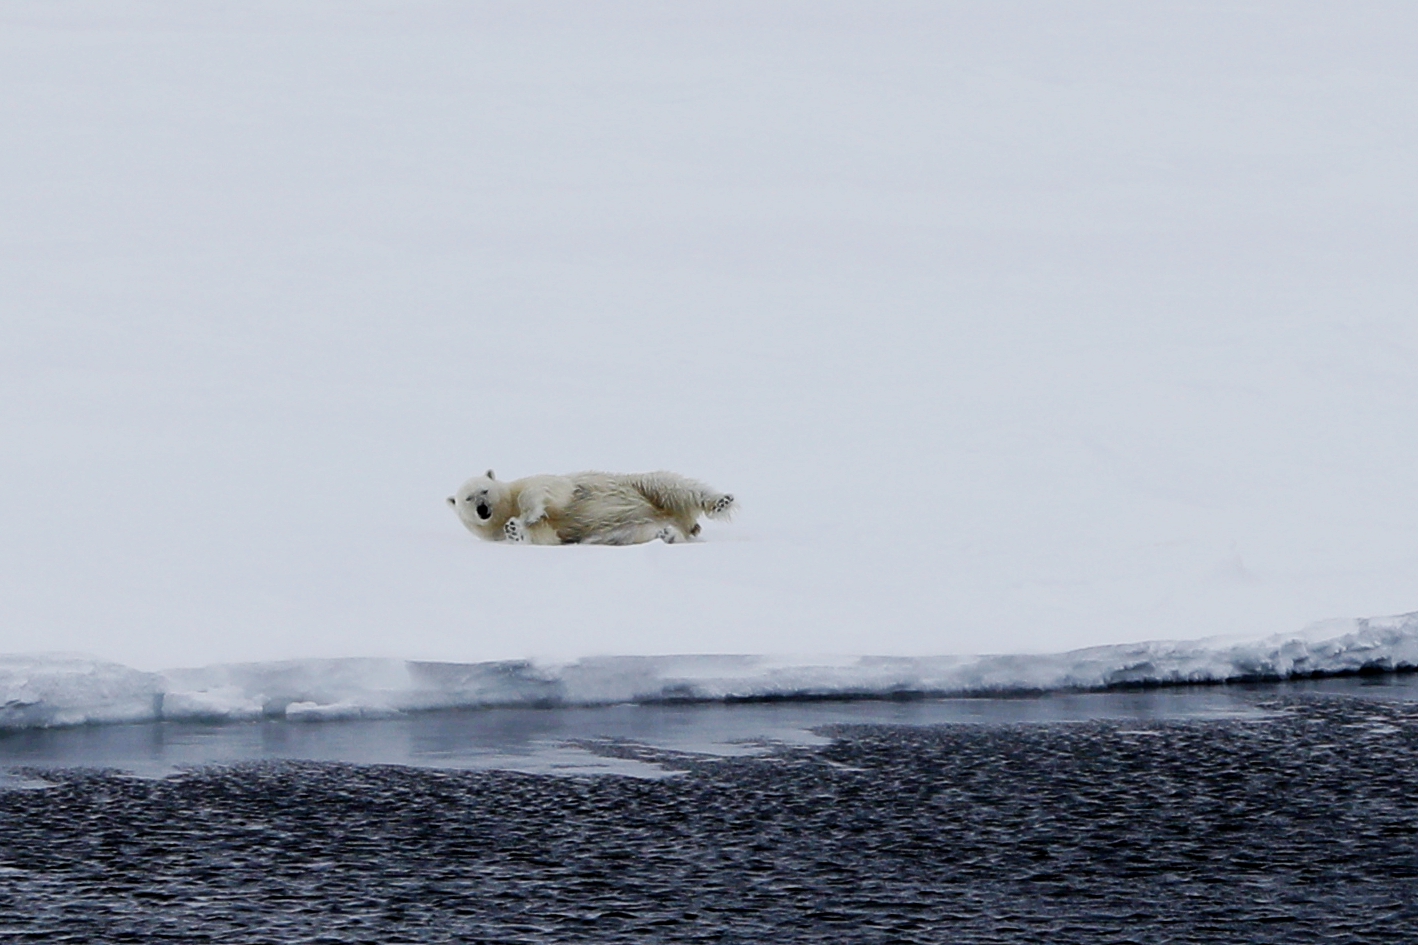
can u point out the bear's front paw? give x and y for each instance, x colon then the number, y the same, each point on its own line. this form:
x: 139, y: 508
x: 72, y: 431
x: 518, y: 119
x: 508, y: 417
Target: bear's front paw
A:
x: 515, y: 531
x: 669, y: 534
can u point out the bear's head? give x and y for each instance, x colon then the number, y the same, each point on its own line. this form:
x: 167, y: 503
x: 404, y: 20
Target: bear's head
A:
x: 479, y: 501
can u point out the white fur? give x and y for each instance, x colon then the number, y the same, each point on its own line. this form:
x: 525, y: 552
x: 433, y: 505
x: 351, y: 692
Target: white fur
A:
x: 588, y: 508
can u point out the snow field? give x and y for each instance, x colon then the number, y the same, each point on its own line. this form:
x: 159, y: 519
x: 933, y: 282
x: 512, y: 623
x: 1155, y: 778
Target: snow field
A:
x: 1014, y: 330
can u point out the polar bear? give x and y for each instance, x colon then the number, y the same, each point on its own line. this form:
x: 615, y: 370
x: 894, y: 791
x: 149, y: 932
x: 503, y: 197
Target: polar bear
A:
x: 592, y: 508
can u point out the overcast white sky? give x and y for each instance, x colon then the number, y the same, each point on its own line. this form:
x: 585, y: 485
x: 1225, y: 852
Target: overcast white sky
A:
x: 1014, y: 326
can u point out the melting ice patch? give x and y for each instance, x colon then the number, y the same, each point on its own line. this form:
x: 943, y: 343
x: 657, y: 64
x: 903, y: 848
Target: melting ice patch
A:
x: 41, y: 691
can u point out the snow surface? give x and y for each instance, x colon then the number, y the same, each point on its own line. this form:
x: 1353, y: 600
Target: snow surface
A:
x: 1015, y: 328
x: 38, y: 693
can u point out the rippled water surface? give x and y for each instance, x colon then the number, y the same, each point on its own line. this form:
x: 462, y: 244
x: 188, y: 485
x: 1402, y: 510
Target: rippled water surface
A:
x: 1293, y: 818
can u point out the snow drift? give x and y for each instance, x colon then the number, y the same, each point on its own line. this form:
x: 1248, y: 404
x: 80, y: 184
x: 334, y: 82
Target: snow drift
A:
x: 39, y: 691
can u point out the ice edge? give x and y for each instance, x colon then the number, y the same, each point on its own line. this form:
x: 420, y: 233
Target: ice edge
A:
x: 41, y: 691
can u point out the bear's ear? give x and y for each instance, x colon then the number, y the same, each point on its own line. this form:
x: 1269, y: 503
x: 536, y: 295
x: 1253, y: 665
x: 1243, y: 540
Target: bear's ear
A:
x: 452, y: 501
x: 490, y: 475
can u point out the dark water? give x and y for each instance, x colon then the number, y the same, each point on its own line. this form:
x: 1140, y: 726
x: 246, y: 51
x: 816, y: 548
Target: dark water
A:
x: 1296, y: 822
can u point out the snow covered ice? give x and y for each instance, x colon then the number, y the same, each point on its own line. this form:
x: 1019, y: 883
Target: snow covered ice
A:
x: 1015, y: 329
x: 43, y: 691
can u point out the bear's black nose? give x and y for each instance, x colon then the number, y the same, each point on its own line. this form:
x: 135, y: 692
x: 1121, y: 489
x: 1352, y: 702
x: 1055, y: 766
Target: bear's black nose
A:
x: 483, y: 511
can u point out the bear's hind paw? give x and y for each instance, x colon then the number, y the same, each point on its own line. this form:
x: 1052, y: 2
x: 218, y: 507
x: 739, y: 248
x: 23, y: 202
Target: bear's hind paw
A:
x: 721, y: 505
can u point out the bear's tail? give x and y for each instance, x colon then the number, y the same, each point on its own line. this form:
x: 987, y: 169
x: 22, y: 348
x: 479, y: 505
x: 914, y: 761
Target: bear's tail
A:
x: 683, y: 496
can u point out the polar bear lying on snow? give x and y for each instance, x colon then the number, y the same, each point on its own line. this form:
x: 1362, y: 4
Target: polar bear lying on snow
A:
x: 590, y: 508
